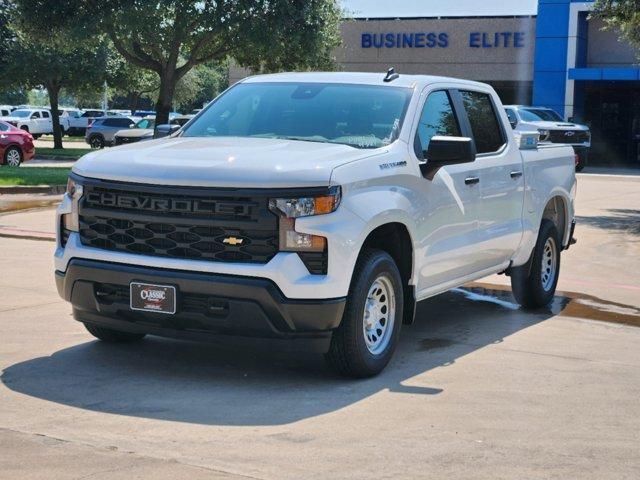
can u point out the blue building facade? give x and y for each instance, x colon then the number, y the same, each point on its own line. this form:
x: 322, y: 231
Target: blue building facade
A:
x: 588, y: 75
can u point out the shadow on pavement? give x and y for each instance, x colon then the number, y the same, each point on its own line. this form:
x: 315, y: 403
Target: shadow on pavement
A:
x: 621, y: 219
x: 223, y: 385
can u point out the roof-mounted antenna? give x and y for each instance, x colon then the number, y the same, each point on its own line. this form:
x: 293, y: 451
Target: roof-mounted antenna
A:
x: 391, y: 75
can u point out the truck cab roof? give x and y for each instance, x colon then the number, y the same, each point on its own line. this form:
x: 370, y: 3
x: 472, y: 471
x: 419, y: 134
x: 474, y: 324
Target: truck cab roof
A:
x: 358, y: 78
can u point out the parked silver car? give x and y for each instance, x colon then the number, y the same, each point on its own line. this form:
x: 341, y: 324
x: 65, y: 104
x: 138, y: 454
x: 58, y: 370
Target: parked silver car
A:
x: 101, y: 132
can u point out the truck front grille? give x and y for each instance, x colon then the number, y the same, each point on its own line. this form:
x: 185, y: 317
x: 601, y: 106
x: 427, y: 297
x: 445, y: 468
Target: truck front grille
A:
x: 568, y: 136
x: 179, y: 222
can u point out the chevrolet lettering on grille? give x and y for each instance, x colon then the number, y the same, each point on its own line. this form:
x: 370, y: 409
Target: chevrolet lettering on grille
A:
x: 179, y: 205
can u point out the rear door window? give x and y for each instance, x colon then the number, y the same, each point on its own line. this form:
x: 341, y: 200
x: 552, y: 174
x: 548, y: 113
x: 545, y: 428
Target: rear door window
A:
x: 484, y: 122
x: 117, y: 122
x: 45, y: 114
x: 438, y: 118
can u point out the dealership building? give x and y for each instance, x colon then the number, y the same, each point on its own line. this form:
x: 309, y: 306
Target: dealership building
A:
x: 549, y: 54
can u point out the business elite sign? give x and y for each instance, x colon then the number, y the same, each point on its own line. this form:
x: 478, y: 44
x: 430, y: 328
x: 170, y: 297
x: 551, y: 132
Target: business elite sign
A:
x: 442, y: 40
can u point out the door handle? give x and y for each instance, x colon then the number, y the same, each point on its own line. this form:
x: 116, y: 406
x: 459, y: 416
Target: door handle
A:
x: 472, y: 180
x: 516, y: 174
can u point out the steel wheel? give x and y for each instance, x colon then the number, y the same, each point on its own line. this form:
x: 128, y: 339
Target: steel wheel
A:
x: 548, y: 271
x: 13, y: 157
x: 379, y: 315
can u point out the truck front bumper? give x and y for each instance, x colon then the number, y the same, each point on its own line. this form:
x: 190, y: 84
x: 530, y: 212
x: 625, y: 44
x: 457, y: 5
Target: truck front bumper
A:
x: 208, y: 305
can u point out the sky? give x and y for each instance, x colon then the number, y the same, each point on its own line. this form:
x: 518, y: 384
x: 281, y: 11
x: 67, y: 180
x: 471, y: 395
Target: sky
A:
x: 438, y: 8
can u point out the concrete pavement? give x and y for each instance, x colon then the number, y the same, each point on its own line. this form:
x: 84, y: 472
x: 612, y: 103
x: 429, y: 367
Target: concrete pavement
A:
x: 477, y: 389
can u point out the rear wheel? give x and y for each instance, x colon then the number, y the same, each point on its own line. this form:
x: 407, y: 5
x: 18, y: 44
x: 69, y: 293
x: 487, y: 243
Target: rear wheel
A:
x: 13, y: 157
x: 534, y: 284
x: 367, y: 337
x: 112, y: 336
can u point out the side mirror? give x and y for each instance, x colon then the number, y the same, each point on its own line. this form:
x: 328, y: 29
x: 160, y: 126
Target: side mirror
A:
x: 165, y: 130
x: 447, y: 151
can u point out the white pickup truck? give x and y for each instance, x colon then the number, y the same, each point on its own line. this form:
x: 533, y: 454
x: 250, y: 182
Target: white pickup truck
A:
x: 36, y: 121
x: 552, y: 129
x: 316, y: 208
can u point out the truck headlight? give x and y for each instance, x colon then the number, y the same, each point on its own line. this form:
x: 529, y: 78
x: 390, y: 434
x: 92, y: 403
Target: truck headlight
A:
x: 74, y: 192
x: 307, y: 206
x: 288, y: 209
x: 544, y: 134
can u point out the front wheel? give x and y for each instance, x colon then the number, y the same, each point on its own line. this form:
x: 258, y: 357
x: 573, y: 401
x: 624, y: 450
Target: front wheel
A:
x: 12, y: 157
x: 368, y: 334
x: 534, y: 284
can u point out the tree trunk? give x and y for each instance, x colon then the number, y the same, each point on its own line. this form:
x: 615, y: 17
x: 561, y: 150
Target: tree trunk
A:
x: 54, y: 90
x: 134, y: 98
x: 168, y: 82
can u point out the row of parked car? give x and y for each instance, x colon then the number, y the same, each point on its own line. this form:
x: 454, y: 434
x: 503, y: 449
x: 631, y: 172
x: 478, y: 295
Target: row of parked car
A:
x: 110, y: 131
x: 73, y: 121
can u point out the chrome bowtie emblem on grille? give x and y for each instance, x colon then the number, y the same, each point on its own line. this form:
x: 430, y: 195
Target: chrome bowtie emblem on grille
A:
x: 233, y: 241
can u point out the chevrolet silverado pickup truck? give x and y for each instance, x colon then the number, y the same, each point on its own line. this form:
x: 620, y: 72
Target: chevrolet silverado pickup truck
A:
x: 552, y: 129
x: 314, y: 209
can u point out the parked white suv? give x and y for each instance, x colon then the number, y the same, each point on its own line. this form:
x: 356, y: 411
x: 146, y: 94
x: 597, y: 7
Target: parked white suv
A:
x: 35, y: 121
x: 552, y: 129
x: 315, y: 207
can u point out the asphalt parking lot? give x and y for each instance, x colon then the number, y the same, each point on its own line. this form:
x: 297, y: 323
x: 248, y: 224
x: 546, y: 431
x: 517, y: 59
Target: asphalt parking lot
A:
x: 477, y: 388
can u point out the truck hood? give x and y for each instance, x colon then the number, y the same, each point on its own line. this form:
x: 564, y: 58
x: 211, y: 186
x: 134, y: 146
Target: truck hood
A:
x: 221, y: 162
x: 559, y: 125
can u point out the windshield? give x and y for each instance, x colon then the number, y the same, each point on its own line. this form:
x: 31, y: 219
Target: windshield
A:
x: 539, y: 115
x: 361, y: 116
x: 21, y: 113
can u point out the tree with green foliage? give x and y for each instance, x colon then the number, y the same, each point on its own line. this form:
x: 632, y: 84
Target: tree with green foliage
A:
x: 51, y: 63
x: 623, y: 16
x: 172, y: 37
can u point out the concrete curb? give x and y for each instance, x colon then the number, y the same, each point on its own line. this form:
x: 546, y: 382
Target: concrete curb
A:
x: 18, y: 233
x: 33, y: 189
x: 56, y: 157
x: 26, y: 202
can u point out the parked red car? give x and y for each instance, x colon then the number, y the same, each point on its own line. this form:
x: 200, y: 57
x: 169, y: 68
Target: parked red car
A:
x: 16, y: 146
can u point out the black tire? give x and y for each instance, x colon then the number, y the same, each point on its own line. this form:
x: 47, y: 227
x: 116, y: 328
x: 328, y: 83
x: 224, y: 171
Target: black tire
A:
x: 36, y: 136
x: 112, y: 336
x: 349, y: 354
x: 25, y: 128
x: 579, y: 166
x: 528, y: 281
x: 96, y: 141
x: 10, y: 157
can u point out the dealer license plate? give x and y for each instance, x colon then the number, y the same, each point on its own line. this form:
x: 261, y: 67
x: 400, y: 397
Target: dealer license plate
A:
x: 148, y: 297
